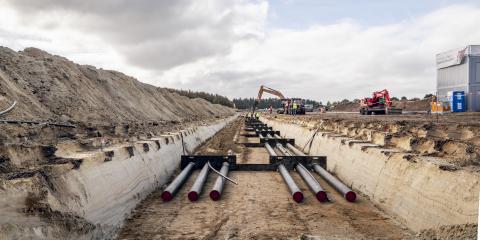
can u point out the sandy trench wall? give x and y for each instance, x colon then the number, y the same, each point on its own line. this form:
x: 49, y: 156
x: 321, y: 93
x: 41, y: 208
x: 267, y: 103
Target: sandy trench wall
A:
x: 101, y: 193
x: 417, y: 193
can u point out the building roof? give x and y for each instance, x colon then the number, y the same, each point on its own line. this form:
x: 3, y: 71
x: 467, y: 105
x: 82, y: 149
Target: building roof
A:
x: 455, y: 56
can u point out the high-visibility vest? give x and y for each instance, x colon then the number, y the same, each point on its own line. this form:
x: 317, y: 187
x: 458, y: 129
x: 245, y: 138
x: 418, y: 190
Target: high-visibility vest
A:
x: 294, y: 106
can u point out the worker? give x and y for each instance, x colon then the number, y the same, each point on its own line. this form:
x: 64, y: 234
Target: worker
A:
x: 270, y: 109
x: 257, y: 115
x: 294, y: 108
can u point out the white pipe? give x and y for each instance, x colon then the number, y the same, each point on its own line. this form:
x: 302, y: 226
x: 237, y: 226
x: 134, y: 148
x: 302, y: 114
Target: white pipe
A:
x: 9, y: 108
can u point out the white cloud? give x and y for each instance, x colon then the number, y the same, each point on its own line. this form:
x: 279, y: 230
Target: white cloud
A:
x: 227, y: 48
x: 342, y: 60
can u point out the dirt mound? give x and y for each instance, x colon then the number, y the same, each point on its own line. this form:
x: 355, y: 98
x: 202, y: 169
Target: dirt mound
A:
x: 406, y: 105
x: 464, y: 231
x: 49, y: 87
x: 413, y: 105
x: 346, y: 107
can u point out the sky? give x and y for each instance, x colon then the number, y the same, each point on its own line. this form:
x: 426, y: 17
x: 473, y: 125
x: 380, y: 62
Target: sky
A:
x: 324, y: 50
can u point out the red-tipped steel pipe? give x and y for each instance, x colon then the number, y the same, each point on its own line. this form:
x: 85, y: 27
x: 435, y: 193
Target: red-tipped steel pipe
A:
x: 292, y: 186
x: 350, y: 195
x: 198, y: 185
x: 312, y: 183
x: 170, y: 191
x: 216, y: 192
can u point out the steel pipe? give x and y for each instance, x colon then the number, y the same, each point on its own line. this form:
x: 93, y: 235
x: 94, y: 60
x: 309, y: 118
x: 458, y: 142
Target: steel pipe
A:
x: 270, y: 150
x: 170, y: 191
x: 284, y: 151
x: 295, y: 150
x: 198, y: 184
x: 312, y: 183
x: 339, y: 186
x: 216, y: 192
x: 292, y: 186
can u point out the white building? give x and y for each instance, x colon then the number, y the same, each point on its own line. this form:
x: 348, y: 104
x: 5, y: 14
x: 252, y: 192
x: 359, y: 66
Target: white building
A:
x: 459, y: 70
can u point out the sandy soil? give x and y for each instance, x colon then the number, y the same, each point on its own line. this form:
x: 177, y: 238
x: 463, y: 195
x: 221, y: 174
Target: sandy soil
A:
x: 413, y: 105
x: 464, y: 231
x: 260, y: 207
x: 452, y: 137
x: 50, y: 87
x: 100, y: 103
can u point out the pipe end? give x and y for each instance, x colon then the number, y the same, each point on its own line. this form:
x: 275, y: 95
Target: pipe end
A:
x: 215, y: 195
x: 322, y: 196
x: 193, y: 196
x: 351, y: 196
x: 167, y: 196
x: 298, y: 197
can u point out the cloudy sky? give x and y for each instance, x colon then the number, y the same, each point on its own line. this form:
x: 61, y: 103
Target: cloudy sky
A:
x: 318, y: 49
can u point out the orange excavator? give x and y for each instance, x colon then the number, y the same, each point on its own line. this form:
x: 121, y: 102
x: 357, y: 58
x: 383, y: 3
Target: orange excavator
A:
x: 287, y: 102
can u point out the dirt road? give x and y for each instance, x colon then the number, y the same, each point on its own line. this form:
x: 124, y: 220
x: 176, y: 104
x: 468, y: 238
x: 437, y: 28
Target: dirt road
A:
x: 259, y: 207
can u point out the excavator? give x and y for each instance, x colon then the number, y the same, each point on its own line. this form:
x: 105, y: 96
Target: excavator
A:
x: 287, y: 102
x: 379, y: 103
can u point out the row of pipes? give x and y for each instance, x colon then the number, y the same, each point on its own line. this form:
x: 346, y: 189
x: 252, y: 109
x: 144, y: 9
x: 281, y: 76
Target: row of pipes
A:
x: 312, y: 183
x: 297, y: 195
x: 197, y: 187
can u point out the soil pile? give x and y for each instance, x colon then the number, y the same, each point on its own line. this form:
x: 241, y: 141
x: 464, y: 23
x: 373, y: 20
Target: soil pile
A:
x: 406, y: 105
x: 464, y: 231
x: 49, y: 87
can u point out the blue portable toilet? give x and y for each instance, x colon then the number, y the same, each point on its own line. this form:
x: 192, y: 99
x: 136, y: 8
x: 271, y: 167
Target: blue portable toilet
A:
x: 457, y: 101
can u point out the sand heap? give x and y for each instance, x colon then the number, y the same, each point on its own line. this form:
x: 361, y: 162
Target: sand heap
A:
x: 50, y: 87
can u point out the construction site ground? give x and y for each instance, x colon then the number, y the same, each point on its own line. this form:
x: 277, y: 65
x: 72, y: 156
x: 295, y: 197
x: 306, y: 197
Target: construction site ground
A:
x: 259, y: 207
x: 470, y: 118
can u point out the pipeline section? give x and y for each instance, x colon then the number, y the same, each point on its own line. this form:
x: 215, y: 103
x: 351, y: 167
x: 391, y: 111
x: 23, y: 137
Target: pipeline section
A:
x: 339, y: 186
x: 198, y: 184
x: 292, y: 186
x: 170, y: 191
x: 216, y: 192
x: 312, y: 183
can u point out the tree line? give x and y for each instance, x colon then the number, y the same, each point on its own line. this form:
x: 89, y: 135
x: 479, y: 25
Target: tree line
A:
x: 213, y: 98
x: 246, y: 103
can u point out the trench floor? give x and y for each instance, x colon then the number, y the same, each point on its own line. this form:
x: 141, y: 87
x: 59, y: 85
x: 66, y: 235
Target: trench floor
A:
x: 259, y: 207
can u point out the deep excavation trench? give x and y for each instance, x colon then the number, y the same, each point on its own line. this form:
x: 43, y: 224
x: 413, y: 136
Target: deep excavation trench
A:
x: 422, y: 172
x: 259, y: 207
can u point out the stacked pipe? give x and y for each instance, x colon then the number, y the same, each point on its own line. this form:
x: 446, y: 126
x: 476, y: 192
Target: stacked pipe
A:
x: 198, y: 185
x: 170, y: 191
x: 216, y: 192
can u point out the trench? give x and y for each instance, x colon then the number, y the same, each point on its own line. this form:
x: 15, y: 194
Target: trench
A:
x: 259, y: 207
x: 422, y: 192
x: 89, y: 194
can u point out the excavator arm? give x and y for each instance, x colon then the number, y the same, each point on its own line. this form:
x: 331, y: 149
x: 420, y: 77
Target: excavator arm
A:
x: 267, y: 90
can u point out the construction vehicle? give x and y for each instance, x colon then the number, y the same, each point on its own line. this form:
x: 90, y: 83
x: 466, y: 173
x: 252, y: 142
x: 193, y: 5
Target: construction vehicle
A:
x: 287, y: 102
x: 379, y: 103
